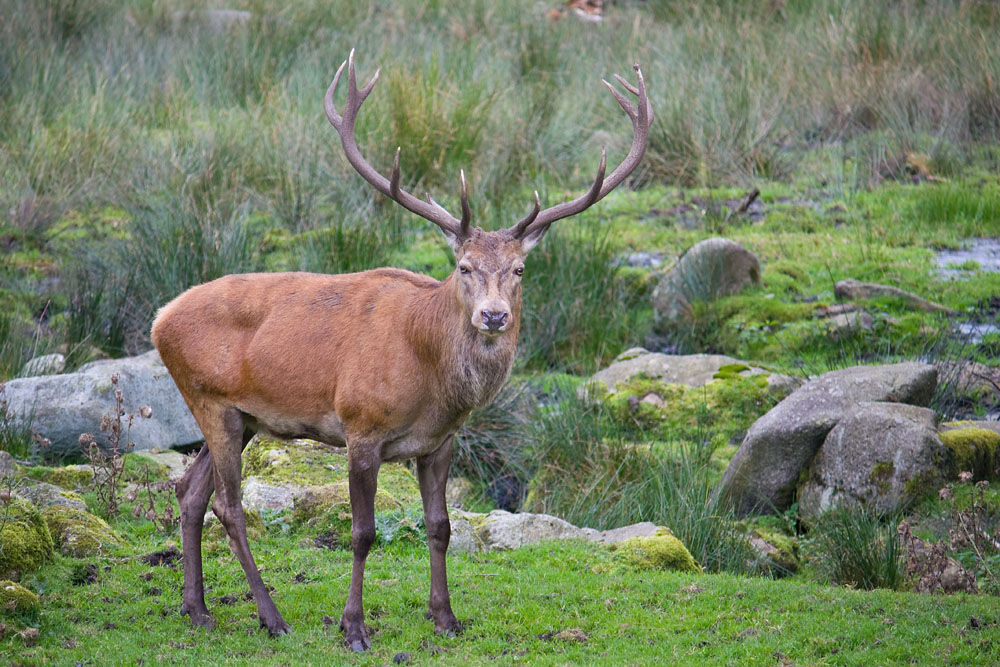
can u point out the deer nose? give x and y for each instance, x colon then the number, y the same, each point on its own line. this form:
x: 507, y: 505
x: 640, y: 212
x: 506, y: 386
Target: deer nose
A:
x: 495, y: 321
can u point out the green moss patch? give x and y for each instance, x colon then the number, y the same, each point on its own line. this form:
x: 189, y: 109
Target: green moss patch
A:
x: 779, y: 552
x: 72, y: 478
x: 717, y: 411
x: 79, y: 534
x: 663, y: 551
x: 310, y: 463
x: 975, y: 450
x: 215, y: 533
x: 16, y: 600
x: 25, y: 541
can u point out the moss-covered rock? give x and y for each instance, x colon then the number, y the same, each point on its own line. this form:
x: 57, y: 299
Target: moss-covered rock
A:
x: 72, y: 478
x: 43, y: 495
x: 327, y: 509
x: 79, y: 534
x: 137, y: 465
x: 310, y: 463
x: 975, y: 450
x: 720, y: 409
x: 16, y: 600
x: 778, y: 553
x: 318, y: 500
x: 215, y: 534
x: 663, y: 551
x: 25, y: 539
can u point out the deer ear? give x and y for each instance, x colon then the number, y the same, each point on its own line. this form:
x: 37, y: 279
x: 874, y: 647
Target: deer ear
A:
x: 533, y: 238
x: 454, y: 240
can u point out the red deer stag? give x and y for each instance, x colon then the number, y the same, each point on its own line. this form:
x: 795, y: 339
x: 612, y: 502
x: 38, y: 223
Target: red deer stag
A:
x: 386, y: 362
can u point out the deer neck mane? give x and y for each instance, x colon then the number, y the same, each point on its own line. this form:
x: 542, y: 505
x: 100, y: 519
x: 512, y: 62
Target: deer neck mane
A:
x: 471, y: 367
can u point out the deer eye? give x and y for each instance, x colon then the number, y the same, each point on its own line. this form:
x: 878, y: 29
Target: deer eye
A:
x: 519, y: 271
x: 464, y: 269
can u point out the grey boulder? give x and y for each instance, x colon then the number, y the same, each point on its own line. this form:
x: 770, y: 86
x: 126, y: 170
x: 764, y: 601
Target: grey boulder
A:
x: 502, y: 531
x: 43, y: 494
x: 693, y: 370
x: 764, y: 472
x: 710, y: 269
x: 882, y: 455
x: 61, y: 407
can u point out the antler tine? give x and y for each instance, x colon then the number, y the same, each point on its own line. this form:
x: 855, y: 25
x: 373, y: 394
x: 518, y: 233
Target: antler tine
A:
x: 641, y: 115
x: 628, y: 86
x: 389, y: 187
x: 331, y: 110
x: 352, y: 80
x: 528, y: 219
x: 466, y: 211
x: 623, y: 102
x: 394, y: 180
x: 371, y: 84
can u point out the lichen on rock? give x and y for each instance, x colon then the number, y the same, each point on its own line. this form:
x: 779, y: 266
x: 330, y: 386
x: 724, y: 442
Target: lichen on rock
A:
x: 24, y: 537
x: 77, y: 533
x: 662, y: 551
x: 43, y: 495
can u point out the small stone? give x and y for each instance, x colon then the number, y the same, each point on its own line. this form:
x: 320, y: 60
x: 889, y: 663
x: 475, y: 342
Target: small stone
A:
x: 47, y: 364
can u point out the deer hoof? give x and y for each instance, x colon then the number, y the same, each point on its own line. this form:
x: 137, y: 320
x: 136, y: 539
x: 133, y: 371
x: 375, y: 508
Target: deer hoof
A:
x: 199, y: 617
x: 276, y: 627
x: 356, y: 637
x: 449, y: 627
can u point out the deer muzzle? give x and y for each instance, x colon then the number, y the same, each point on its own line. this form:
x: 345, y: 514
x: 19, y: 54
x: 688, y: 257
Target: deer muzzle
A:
x: 492, y: 319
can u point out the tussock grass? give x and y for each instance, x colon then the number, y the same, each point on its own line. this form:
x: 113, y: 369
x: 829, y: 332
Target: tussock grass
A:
x: 598, y: 472
x: 856, y: 546
x: 581, y: 309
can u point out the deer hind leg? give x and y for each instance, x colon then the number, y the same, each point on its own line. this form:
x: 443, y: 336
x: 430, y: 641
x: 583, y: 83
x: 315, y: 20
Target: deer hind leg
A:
x: 362, y: 468
x: 432, y: 473
x: 226, y: 444
x: 193, y: 491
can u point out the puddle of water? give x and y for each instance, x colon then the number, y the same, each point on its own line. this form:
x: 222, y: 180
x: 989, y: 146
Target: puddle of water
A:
x: 984, y: 252
x: 974, y: 332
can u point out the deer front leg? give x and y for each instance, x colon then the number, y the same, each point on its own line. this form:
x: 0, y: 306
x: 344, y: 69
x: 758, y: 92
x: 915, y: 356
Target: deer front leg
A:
x: 362, y: 469
x: 432, y: 473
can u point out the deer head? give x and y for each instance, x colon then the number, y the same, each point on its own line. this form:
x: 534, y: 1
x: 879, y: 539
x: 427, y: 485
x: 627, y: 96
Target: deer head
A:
x: 489, y: 265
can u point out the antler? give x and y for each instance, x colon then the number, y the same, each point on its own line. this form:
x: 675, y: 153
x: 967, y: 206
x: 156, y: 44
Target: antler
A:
x: 642, y: 116
x: 344, y: 125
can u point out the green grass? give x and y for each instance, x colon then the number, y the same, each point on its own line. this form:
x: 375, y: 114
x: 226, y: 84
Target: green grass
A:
x: 627, y: 617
